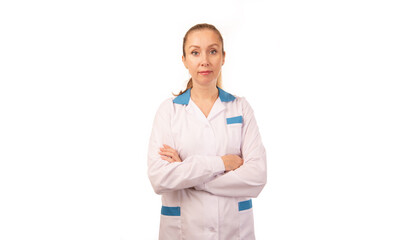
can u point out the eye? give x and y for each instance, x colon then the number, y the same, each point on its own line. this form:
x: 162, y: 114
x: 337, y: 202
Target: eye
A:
x: 194, y: 53
x: 213, y: 51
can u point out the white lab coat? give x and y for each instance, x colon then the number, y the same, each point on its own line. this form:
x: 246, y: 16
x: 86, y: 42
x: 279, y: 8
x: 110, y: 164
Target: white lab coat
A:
x: 199, y: 199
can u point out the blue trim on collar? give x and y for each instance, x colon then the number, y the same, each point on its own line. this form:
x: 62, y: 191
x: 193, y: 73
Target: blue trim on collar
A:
x: 185, y: 97
x: 224, y: 96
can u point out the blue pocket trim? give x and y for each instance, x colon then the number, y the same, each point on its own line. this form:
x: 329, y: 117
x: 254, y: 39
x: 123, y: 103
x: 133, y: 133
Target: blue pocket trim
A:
x: 232, y: 120
x: 171, y: 211
x: 245, y: 205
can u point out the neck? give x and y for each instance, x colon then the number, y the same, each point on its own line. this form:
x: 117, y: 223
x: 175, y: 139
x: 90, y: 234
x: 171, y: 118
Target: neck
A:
x: 207, y: 93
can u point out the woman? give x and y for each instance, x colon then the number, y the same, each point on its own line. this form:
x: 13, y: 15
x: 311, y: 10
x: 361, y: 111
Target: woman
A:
x: 205, y: 156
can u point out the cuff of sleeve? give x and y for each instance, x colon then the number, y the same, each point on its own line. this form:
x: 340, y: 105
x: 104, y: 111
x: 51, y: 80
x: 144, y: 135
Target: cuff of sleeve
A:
x: 218, y: 165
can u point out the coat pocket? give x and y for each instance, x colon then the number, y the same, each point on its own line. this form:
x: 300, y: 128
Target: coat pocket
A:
x: 234, y: 120
x: 246, y: 220
x: 170, y: 223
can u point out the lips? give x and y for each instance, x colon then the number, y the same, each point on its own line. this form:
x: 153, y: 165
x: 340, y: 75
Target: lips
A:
x: 205, y: 72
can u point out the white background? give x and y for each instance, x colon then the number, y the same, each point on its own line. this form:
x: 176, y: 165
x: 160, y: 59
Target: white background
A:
x: 82, y: 80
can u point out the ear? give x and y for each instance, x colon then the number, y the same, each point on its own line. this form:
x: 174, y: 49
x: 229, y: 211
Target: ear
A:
x: 223, y: 58
x: 184, y: 62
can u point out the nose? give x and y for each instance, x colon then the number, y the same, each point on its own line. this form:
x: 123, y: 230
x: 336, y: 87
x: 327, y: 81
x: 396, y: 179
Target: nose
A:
x: 204, y: 61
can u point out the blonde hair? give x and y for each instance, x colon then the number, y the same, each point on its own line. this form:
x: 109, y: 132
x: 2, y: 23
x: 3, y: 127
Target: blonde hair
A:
x: 197, y: 27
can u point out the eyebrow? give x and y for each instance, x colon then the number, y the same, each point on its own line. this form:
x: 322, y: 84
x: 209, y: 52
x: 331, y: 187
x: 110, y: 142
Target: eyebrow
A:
x: 216, y: 44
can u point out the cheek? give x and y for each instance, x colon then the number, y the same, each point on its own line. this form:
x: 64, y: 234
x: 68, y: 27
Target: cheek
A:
x: 192, y: 66
x: 191, y: 69
x: 218, y: 60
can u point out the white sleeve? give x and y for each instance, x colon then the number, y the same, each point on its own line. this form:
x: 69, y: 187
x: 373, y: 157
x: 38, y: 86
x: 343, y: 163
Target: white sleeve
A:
x: 165, y: 176
x: 249, y: 179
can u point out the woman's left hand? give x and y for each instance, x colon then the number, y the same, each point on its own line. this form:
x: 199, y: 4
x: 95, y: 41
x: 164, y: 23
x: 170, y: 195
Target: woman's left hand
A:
x: 169, y: 154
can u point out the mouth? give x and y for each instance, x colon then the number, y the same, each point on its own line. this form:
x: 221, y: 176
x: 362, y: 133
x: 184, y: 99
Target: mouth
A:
x: 205, y: 72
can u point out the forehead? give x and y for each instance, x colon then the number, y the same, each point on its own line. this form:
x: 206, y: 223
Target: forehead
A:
x: 202, y: 38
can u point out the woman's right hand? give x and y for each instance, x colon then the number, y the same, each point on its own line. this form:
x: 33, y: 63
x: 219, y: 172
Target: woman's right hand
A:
x: 232, y: 162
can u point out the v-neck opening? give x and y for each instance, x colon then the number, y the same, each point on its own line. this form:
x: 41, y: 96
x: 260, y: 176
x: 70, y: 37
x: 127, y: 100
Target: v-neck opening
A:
x: 215, y: 109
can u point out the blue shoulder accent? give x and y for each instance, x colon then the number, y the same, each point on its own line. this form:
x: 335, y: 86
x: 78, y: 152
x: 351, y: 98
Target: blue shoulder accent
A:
x: 183, y: 98
x: 224, y: 96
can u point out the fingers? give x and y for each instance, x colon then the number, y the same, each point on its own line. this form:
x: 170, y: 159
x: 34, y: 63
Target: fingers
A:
x: 169, y: 154
x: 167, y: 159
x: 168, y: 150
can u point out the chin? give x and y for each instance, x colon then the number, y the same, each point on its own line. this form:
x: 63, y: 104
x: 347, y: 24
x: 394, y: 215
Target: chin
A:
x: 206, y: 82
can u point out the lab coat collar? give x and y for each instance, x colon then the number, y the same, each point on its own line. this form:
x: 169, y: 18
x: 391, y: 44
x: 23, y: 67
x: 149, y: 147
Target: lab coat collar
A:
x: 185, y: 97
